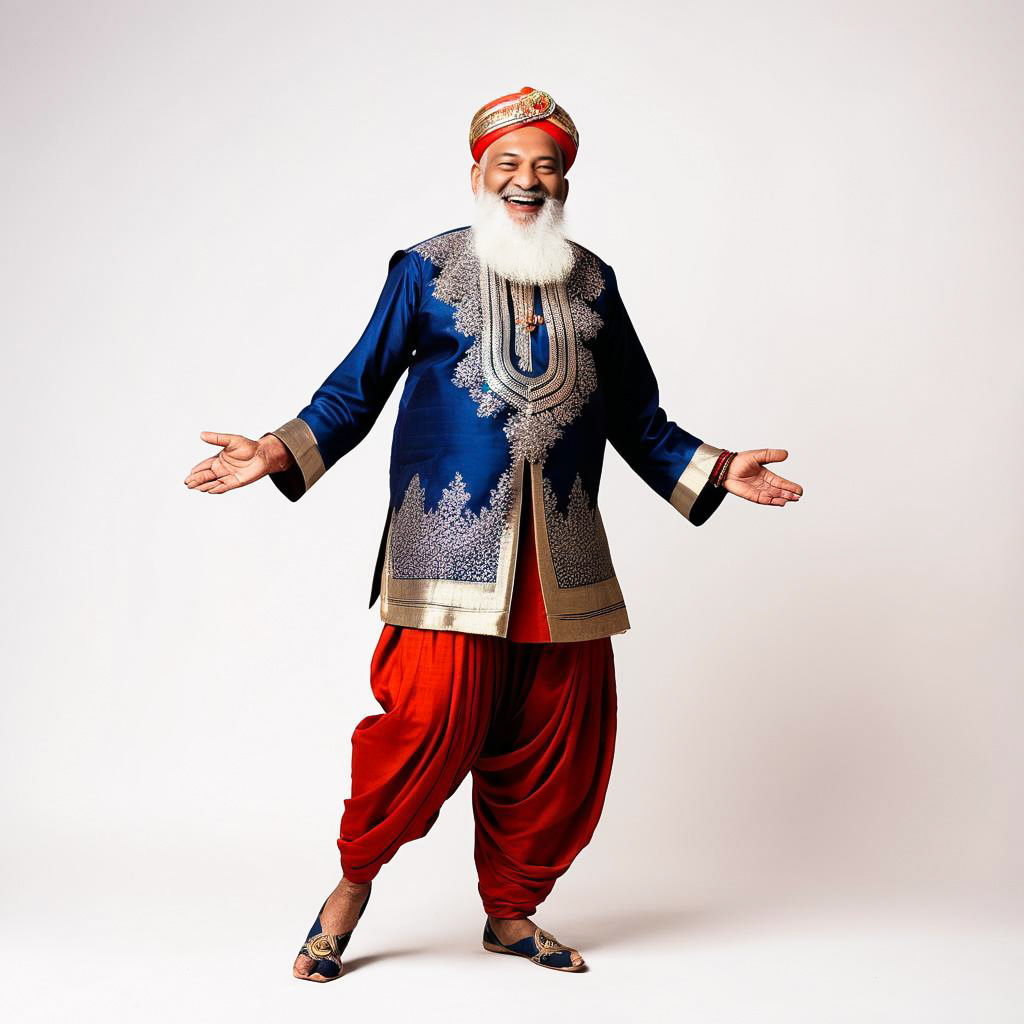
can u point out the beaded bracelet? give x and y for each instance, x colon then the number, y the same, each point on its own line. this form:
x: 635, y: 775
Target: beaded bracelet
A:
x: 721, y: 470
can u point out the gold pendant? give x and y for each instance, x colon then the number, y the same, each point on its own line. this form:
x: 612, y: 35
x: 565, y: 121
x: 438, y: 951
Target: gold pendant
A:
x: 530, y: 322
x: 526, y: 321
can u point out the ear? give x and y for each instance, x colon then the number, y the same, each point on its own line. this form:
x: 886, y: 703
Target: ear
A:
x: 565, y: 189
x: 475, y: 174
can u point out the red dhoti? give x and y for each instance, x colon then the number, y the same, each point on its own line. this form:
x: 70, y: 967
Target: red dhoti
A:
x: 535, y: 724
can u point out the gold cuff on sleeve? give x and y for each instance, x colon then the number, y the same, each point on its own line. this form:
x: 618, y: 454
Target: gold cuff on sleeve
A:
x: 694, y: 479
x: 293, y: 482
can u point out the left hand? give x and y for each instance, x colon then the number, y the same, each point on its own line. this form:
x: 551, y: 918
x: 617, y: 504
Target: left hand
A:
x: 748, y: 478
x: 242, y: 461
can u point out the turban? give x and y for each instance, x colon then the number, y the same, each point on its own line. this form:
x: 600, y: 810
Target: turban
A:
x: 526, y: 107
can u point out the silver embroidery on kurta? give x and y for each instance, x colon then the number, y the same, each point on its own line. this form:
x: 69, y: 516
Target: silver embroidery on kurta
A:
x: 449, y: 542
x: 525, y: 324
x: 458, y: 278
x: 579, y: 547
x: 531, y: 431
x: 457, y: 284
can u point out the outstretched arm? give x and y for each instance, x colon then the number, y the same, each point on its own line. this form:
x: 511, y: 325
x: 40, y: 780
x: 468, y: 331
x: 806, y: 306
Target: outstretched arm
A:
x: 341, y: 412
x: 674, y: 463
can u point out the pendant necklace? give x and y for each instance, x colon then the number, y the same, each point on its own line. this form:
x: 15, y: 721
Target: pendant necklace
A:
x: 526, y: 323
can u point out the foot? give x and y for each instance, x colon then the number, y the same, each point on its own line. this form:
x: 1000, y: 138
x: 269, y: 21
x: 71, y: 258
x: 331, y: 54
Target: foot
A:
x: 338, y: 916
x: 512, y: 929
x: 509, y: 931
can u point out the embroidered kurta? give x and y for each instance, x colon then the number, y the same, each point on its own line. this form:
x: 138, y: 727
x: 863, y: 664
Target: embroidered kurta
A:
x: 497, y: 401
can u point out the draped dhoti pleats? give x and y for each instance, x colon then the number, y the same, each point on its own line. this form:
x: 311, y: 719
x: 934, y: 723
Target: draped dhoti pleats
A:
x: 533, y: 722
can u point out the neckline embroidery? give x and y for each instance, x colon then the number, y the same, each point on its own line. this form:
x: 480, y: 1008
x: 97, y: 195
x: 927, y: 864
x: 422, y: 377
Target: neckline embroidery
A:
x: 527, y: 394
x: 537, y: 407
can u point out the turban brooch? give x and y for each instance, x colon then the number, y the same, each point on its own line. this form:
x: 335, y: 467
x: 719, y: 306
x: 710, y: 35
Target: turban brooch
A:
x: 526, y: 107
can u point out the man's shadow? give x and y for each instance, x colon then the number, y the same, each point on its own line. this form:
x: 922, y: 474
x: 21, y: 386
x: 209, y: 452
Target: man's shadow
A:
x: 587, y: 932
x: 612, y: 929
x: 358, y: 962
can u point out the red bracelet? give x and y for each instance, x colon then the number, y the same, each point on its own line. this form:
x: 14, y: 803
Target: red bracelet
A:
x: 721, y: 470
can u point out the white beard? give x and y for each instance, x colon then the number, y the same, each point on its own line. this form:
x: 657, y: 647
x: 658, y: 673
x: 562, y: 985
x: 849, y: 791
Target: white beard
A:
x: 531, y: 252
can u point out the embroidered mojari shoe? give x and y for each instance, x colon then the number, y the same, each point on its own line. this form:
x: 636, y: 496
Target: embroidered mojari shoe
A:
x: 326, y: 949
x: 542, y: 948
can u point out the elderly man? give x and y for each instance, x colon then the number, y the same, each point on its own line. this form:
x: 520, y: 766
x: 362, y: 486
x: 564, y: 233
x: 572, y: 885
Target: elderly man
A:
x: 496, y: 584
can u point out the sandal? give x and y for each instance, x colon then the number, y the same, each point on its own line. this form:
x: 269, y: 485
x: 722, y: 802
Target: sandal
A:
x: 326, y: 949
x: 541, y: 948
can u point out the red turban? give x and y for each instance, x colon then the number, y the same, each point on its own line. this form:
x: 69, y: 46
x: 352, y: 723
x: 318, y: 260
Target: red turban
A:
x: 527, y: 107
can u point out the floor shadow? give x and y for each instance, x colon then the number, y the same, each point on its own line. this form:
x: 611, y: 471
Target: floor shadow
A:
x: 358, y: 962
x: 597, y: 931
x: 587, y: 932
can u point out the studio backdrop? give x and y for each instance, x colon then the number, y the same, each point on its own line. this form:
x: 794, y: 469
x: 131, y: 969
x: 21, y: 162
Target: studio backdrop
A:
x: 815, y: 218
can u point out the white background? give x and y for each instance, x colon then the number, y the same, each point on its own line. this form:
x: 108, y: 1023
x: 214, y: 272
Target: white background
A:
x: 815, y: 214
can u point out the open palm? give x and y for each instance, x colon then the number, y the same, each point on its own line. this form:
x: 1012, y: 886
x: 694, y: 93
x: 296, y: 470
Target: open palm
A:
x: 241, y: 462
x: 748, y: 478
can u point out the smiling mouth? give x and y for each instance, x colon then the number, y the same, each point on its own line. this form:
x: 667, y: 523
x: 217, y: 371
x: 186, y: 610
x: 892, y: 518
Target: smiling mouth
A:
x: 523, y: 202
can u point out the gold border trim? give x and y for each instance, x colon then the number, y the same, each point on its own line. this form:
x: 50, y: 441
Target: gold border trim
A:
x: 694, y: 478
x: 457, y: 604
x: 296, y: 436
x: 576, y: 613
x: 573, y: 613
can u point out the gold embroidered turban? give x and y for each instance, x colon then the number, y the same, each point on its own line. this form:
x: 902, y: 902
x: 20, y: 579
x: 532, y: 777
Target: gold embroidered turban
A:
x: 529, y: 106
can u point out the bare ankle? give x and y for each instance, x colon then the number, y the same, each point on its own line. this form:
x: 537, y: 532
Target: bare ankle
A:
x: 347, y: 887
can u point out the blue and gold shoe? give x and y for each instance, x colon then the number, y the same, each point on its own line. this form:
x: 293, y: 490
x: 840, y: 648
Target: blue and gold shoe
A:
x: 541, y: 948
x: 326, y: 949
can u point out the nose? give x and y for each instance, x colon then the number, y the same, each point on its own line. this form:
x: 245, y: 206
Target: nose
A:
x: 526, y: 177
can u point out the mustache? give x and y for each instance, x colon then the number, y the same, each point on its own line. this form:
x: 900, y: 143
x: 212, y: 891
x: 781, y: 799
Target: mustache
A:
x: 515, y: 192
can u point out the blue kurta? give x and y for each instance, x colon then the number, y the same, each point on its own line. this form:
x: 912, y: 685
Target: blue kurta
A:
x: 489, y: 407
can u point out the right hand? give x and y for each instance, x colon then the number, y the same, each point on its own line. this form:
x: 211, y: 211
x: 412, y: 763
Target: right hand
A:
x: 242, y: 461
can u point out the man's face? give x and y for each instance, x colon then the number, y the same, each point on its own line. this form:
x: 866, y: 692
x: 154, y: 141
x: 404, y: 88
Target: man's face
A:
x: 524, y: 168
